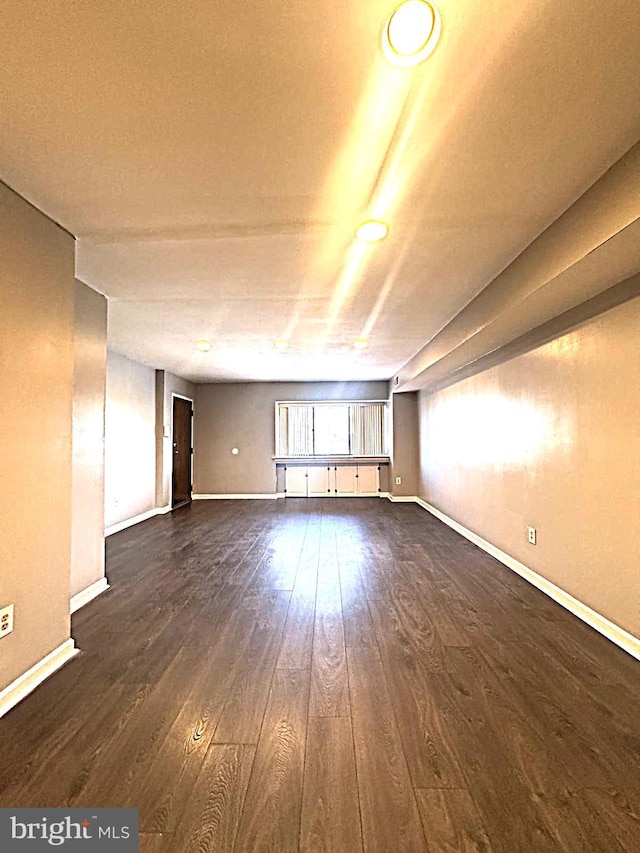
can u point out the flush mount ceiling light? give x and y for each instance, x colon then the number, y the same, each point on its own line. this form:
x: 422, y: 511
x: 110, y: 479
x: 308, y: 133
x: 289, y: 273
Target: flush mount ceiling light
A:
x: 411, y: 33
x: 281, y: 344
x: 372, y: 231
x: 361, y: 343
x: 203, y: 345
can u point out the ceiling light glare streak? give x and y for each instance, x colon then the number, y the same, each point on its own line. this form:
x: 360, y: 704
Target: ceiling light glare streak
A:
x: 411, y: 33
x: 372, y: 231
x: 361, y: 343
x: 398, y: 170
x: 386, y: 288
x: 281, y: 344
x: 203, y: 345
x: 346, y: 283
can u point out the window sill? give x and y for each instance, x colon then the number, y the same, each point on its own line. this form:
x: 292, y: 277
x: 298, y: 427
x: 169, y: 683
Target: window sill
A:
x: 331, y: 460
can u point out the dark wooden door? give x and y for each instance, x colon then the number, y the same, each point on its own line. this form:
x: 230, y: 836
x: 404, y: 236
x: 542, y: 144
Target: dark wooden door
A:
x: 181, y: 477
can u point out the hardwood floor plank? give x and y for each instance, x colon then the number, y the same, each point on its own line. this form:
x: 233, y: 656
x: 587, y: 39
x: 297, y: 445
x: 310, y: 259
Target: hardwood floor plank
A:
x: 151, y: 842
x: 297, y: 640
x: 451, y: 821
x: 617, y: 810
x: 242, y: 716
x: 329, y: 684
x: 506, y: 766
x: 356, y: 616
x: 112, y: 776
x: 57, y: 768
x: 209, y: 823
x: 390, y: 820
x: 164, y: 791
x: 579, y: 746
x: 243, y: 713
x: 330, y: 808
x: 422, y: 580
x: 271, y: 814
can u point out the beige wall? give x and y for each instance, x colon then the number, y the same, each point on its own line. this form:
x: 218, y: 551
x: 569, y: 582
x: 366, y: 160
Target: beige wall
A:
x: 405, y: 456
x: 36, y: 378
x: 130, y: 439
x: 550, y: 439
x: 90, y: 359
x: 242, y: 415
x: 167, y: 384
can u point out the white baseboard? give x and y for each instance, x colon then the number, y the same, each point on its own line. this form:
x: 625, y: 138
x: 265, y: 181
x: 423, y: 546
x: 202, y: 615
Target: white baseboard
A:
x: 28, y: 681
x: 88, y: 594
x: 402, y: 499
x: 129, y: 522
x: 271, y: 497
x: 610, y: 630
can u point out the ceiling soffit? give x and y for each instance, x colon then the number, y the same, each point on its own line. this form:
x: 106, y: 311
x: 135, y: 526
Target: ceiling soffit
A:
x: 592, y: 246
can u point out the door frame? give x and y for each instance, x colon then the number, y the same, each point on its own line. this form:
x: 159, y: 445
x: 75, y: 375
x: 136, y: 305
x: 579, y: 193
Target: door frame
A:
x: 189, y: 400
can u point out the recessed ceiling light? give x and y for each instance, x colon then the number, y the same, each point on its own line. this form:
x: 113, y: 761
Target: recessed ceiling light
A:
x: 372, y: 231
x: 411, y: 33
x: 361, y: 343
x: 281, y: 344
x: 203, y: 345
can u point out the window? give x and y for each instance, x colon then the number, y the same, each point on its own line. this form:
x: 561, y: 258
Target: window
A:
x: 331, y: 429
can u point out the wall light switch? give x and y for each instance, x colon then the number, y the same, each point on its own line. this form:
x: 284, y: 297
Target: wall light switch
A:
x: 398, y: 481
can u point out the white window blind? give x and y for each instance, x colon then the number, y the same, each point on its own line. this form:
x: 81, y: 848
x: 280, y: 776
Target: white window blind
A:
x: 331, y: 429
x: 367, y: 429
x: 298, y: 430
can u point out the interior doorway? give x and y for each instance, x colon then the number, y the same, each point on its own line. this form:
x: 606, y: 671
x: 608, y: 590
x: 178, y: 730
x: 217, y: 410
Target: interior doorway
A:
x: 182, y: 432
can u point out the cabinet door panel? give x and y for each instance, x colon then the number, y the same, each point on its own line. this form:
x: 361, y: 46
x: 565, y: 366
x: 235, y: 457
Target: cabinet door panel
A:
x: 367, y: 479
x: 296, y: 481
x: 345, y: 479
x: 318, y: 480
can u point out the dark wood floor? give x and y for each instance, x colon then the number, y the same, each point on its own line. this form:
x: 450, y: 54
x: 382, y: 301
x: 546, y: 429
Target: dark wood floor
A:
x: 332, y: 675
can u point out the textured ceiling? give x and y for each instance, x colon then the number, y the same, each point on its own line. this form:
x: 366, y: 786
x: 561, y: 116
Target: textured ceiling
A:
x: 214, y: 162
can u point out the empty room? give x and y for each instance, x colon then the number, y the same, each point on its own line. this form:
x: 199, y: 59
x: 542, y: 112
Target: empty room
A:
x: 320, y: 359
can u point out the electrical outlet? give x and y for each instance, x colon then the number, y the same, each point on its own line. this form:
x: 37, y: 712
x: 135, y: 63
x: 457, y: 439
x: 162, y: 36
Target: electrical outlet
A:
x: 531, y: 535
x: 6, y: 620
x: 398, y: 481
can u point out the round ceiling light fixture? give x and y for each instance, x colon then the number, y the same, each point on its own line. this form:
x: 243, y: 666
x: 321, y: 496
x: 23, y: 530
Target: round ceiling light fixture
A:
x: 411, y: 33
x: 372, y: 231
x: 361, y: 343
x: 281, y: 344
x: 203, y: 345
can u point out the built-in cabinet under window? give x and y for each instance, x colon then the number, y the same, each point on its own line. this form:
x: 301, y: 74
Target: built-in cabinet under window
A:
x: 302, y: 481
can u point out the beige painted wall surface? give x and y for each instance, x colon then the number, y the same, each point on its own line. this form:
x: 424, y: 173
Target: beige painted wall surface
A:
x: 36, y: 378
x: 405, y: 455
x: 552, y: 440
x: 130, y: 439
x: 242, y: 415
x: 89, y: 379
x: 167, y: 384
